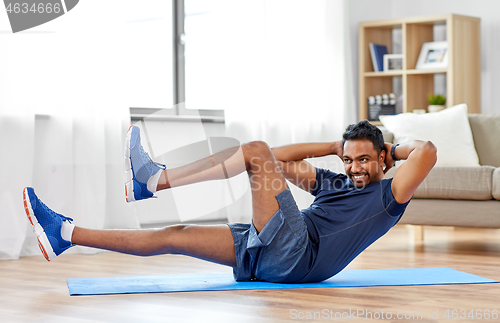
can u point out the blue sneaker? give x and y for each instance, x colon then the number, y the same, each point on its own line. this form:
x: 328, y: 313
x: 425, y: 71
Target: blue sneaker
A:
x: 139, y: 168
x: 47, y: 225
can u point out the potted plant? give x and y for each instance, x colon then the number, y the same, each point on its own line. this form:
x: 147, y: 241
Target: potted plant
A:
x: 436, y: 102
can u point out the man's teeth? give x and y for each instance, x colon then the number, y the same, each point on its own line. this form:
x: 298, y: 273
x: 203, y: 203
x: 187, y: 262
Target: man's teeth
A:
x: 358, y: 177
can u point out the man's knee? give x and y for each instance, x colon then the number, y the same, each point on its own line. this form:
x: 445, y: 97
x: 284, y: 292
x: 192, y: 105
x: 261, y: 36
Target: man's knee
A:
x: 257, y: 147
x: 259, y: 157
x: 257, y: 151
x: 172, y: 236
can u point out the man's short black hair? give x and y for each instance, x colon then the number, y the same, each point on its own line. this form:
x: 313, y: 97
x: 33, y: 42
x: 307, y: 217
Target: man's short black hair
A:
x: 364, y: 130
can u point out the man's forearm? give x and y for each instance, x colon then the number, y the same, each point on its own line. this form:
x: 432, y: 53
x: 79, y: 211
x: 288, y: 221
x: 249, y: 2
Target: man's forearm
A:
x: 301, y: 151
x: 403, y: 151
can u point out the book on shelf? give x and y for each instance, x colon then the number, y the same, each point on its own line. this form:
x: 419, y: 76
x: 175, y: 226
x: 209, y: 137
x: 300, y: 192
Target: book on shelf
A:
x: 377, y: 52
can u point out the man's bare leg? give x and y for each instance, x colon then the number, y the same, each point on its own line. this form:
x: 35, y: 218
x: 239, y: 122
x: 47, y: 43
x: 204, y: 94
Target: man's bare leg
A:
x: 212, y: 243
x: 218, y: 163
x: 208, y: 242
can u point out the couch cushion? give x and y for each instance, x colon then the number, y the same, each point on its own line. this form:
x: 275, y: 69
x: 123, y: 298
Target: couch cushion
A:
x: 479, y: 214
x: 457, y: 183
x: 486, y: 134
x: 496, y: 184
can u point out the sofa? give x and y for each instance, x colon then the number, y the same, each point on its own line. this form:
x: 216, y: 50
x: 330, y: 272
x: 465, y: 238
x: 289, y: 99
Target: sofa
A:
x: 461, y: 196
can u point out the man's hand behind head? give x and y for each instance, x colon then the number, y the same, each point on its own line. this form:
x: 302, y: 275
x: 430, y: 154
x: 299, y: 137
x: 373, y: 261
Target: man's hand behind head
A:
x: 389, y: 161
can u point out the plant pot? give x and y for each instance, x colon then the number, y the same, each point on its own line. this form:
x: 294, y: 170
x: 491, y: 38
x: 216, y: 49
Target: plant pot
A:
x: 435, y: 108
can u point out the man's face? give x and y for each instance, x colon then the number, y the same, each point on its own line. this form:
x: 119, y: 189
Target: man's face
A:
x: 362, y: 163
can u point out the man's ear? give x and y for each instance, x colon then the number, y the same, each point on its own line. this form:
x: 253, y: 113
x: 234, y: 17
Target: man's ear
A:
x: 381, y: 157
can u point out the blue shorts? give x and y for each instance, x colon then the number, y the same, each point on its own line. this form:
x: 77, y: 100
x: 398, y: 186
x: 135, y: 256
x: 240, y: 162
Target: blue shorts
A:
x: 280, y: 252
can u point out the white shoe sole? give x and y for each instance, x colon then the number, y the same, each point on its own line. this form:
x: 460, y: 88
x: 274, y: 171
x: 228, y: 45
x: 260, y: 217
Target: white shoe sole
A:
x: 43, y: 241
x: 129, y: 175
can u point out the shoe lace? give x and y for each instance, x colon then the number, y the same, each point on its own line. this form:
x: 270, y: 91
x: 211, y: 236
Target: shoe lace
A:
x: 54, y: 214
x: 65, y: 218
x: 145, y: 157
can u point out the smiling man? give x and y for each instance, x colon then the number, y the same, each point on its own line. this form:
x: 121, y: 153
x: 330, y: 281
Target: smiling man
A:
x: 283, y: 243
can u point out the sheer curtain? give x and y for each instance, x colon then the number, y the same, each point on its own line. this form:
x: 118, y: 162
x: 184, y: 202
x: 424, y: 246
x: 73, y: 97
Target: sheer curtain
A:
x: 17, y: 133
x: 72, y: 156
x: 289, y: 77
x: 64, y: 112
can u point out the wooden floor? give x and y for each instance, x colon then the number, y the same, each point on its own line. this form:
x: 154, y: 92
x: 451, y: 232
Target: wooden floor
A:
x: 32, y: 290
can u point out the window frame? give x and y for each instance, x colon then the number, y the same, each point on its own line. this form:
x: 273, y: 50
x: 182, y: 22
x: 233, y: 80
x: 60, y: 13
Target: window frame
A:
x: 179, y: 111
x: 180, y: 66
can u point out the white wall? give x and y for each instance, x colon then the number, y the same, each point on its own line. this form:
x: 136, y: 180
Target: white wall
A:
x: 487, y: 10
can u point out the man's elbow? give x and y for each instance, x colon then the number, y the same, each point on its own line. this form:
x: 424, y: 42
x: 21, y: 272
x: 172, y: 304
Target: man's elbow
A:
x: 430, y: 151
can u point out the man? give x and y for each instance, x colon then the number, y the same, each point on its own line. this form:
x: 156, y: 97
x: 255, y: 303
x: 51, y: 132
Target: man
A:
x: 282, y: 244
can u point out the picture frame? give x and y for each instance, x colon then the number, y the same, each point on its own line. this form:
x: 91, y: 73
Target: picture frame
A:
x: 393, y: 62
x: 433, y: 55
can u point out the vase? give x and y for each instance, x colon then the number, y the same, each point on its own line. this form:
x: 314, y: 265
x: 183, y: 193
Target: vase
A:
x: 435, y: 108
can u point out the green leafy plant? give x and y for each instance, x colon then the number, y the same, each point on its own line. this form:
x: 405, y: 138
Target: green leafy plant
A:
x: 436, y: 99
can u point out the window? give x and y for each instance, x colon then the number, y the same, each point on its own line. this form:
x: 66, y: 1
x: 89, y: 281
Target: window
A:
x: 181, y: 58
x: 149, y: 31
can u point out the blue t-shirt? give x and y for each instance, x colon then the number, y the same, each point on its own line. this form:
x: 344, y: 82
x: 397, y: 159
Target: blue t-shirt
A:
x: 344, y: 220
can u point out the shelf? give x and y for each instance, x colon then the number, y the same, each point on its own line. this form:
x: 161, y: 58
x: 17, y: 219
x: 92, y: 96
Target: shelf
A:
x: 407, y: 72
x: 462, y: 76
x: 427, y: 71
x: 382, y: 74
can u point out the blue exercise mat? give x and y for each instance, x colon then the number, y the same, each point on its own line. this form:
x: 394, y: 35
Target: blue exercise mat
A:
x: 218, y: 282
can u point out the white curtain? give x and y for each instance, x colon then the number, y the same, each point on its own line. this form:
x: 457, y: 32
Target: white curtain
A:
x: 16, y: 133
x: 63, y: 119
x: 290, y: 77
x: 74, y: 161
